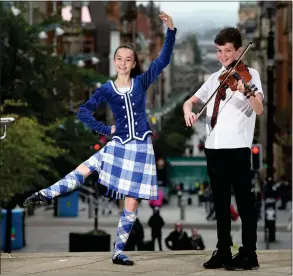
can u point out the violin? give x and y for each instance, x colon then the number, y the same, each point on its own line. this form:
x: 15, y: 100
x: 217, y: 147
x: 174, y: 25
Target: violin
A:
x: 232, y: 82
x: 240, y: 72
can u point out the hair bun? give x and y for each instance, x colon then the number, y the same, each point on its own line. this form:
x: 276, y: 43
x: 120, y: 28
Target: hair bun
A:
x: 131, y: 45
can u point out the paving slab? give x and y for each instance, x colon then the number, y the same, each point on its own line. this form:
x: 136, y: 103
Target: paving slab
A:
x: 272, y: 262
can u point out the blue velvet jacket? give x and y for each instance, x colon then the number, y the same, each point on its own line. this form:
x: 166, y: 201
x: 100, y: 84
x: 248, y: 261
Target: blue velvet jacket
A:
x: 128, y: 108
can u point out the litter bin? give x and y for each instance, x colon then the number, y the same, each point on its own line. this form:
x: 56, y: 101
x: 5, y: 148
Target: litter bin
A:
x: 67, y: 205
x: 17, y: 228
x: 99, y: 241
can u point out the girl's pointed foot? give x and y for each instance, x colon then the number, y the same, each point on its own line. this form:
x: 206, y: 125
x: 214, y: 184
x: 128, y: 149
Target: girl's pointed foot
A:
x: 37, y: 198
x: 121, y: 259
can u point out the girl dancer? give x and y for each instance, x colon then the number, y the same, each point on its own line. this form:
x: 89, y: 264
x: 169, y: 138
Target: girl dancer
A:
x: 126, y: 165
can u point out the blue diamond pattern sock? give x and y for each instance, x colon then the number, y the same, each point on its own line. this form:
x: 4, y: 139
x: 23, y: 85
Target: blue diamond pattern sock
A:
x: 67, y: 184
x: 125, y: 225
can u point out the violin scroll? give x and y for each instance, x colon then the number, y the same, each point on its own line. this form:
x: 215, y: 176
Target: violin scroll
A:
x: 250, y: 91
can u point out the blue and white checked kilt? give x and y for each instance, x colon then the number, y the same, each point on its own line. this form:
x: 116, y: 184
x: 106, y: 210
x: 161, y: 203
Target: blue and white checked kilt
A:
x: 129, y: 169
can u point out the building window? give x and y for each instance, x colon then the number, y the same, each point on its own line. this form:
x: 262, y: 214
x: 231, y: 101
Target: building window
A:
x: 125, y: 26
x: 285, y: 12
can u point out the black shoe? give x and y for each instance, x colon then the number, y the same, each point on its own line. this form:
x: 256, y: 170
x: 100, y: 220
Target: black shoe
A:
x: 37, y: 198
x: 218, y: 259
x: 121, y: 259
x: 243, y: 261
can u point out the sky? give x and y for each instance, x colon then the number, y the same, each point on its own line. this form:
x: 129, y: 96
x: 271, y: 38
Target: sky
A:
x: 198, y: 15
x: 186, y: 7
x: 189, y: 16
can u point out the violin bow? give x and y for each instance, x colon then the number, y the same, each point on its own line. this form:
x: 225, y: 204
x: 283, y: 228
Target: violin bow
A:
x: 222, y: 83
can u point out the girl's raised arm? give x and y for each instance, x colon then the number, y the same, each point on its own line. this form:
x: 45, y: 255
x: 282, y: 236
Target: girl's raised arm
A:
x: 158, y: 65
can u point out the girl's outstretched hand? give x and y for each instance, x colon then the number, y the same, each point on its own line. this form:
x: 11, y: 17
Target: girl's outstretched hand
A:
x: 167, y: 20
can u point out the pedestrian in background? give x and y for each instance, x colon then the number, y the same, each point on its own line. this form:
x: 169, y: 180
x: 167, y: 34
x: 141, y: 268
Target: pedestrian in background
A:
x: 156, y: 223
x: 196, y: 240
x: 178, y: 239
x: 157, y: 203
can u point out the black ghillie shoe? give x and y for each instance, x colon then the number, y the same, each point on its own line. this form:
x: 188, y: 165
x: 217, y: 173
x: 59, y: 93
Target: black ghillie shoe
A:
x: 121, y: 259
x: 243, y: 261
x: 37, y: 198
x: 218, y: 259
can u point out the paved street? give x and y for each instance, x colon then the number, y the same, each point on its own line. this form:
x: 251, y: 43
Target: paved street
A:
x: 194, y: 217
x: 45, y: 233
x: 273, y: 263
x: 56, y: 238
x: 47, y: 246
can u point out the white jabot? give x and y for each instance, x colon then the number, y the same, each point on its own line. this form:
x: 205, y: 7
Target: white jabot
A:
x: 123, y: 89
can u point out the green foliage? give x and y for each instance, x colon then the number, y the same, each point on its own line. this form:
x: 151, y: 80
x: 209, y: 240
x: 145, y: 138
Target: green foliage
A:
x: 197, y: 53
x: 153, y: 13
x: 173, y: 136
x: 30, y: 72
x: 78, y: 142
x: 35, y: 88
x: 25, y: 153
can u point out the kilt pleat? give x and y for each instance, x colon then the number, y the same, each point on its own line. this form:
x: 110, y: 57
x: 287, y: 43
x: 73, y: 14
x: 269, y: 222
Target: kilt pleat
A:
x: 126, y: 169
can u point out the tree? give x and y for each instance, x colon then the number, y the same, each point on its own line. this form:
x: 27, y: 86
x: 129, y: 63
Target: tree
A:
x: 197, y: 53
x: 36, y: 86
x: 26, y: 153
x: 31, y: 73
x: 77, y: 140
x: 173, y: 136
x: 153, y: 13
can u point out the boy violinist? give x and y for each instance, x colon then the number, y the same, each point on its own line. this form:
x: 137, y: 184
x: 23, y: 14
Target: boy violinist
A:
x: 230, y: 122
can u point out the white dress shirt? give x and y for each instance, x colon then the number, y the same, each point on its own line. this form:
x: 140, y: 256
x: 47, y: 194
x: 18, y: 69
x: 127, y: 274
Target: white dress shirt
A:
x: 236, y: 118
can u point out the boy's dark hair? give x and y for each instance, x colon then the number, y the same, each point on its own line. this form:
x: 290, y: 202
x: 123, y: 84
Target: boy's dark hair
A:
x: 137, y: 70
x: 229, y: 35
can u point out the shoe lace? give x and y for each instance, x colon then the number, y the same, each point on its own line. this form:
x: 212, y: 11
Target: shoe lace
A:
x: 235, y: 256
x: 215, y: 253
x: 122, y: 257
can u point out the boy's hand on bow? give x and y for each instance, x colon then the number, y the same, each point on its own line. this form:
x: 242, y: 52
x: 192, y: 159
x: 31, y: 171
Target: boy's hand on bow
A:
x: 190, y: 119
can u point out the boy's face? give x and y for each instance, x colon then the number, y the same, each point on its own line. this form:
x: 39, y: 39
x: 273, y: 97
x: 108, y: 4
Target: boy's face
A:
x: 227, y: 53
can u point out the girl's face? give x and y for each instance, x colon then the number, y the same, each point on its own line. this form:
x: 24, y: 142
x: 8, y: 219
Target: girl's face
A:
x: 124, y: 61
x: 227, y: 53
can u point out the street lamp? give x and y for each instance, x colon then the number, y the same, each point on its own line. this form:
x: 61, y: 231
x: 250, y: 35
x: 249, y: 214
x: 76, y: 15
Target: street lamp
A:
x: 43, y: 35
x: 58, y: 32
x: 95, y: 60
x: 80, y: 63
x: 15, y: 11
x: 7, y: 247
x: 270, y: 197
x: 5, y: 122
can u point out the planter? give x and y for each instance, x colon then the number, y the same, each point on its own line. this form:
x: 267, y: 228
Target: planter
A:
x: 96, y: 241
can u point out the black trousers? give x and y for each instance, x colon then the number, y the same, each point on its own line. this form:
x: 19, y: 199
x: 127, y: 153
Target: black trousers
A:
x: 159, y: 238
x: 226, y: 167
